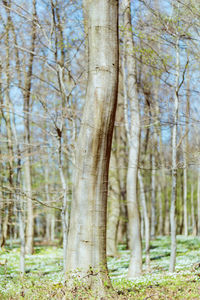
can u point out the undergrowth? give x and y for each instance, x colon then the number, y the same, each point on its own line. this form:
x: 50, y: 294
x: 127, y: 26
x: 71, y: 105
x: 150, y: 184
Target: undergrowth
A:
x: 44, y: 277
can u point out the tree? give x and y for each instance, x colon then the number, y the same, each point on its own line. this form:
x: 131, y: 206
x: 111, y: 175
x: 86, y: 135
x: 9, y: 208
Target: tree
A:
x: 27, y: 164
x: 86, y: 249
x: 133, y: 132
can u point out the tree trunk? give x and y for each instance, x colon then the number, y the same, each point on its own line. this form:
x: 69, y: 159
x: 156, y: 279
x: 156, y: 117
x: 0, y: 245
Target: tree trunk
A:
x: 135, y: 267
x: 117, y: 229
x: 198, y: 201
x: 48, y: 214
x: 185, y: 154
x: 27, y: 164
x: 64, y: 212
x: 174, y: 163
x: 194, y: 227
x: 146, y: 221
x: 86, y: 249
x: 153, y: 196
x: 113, y: 207
x: 167, y: 217
x: 160, y: 228
x: 185, y: 193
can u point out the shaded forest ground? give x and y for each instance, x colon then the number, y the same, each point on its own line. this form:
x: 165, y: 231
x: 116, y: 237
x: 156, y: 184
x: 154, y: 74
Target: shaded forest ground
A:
x: 44, y: 277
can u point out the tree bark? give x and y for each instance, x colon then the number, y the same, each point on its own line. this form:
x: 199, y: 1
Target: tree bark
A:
x: 27, y: 163
x: 174, y: 163
x: 113, y: 207
x: 160, y: 228
x: 146, y: 221
x: 153, y: 195
x: 194, y: 227
x: 198, y: 201
x: 86, y: 249
x: 133, y: 132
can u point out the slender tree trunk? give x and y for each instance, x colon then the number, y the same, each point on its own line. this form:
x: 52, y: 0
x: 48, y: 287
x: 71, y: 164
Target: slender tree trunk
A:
x: 174, y: 164
x: 27, y: 164
x: 86, y: 248
x: 185, y: 193
x: 48, y: 214
x: 64, y: 212
x: 194, y: 227
x: 185, y: 153
x: 135, y: 267
x: 167, y: 217
x: 153, y: 196
x: 198, y: 201
x: 160, y: 210
x: 117, y: 178
x: 146, y: 221
x: 20, y: 216
x: 113, y: 207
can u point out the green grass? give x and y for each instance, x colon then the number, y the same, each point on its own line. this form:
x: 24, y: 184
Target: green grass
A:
x: 44, y: 277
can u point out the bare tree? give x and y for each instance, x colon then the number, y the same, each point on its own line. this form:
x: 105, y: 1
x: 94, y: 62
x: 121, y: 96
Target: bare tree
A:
x: 86, y: 249
x: 27, y: 164
x: 133, y: 133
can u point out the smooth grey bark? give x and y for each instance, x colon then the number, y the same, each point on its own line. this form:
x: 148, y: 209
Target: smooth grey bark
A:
x: 117, y: 178
x: 153, y: 195
x: 167, y: 217
x: 133, y: 132
x: 185, y: 211
x: 174, y: 163
x: 64, y: 212
x: 160, y: 219
x: 27, y: 163
x: 86, y: 248
x: 146, y: 221
x: 194, y: 227
x: 48, y: 214
x: 185, y: 153
x: 113, y: 208
x: 198, y: 202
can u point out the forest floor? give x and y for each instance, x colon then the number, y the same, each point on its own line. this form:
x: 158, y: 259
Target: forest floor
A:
x: 44, y: 277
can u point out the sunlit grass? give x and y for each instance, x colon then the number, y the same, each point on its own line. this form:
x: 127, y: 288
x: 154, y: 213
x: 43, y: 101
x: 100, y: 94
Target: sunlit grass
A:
x: 44, y: 276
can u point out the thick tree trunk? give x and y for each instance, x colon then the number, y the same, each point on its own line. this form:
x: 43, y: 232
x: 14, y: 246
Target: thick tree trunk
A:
x: 133, y: 132
x: 86, y: 248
